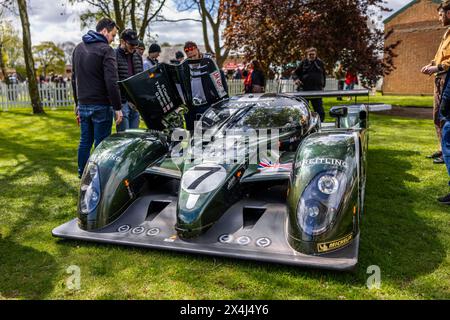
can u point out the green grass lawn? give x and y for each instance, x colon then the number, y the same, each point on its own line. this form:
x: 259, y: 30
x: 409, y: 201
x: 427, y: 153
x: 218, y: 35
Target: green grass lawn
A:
x: 404, y: 231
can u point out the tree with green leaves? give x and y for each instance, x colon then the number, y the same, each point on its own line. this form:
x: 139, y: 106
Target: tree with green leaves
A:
x: 135, y: 14
x: 49, y: 57
x: 278, y: 32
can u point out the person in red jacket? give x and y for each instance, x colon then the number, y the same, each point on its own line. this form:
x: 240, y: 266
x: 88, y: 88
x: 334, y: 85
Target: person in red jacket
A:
x: 351, y: 79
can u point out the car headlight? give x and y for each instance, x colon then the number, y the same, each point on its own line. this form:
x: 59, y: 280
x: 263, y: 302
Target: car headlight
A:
x: 90, y: 189
x: 320, y: 202
x: 328, y: 184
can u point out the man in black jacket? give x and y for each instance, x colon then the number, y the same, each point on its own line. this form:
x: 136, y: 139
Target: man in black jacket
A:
x: 95, y: 88
x: 202, y: 92
x: 129, y: 63
x: 311, y: 76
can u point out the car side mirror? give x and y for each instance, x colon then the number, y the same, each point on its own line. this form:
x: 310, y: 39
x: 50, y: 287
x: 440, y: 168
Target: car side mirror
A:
x: 339, y: 112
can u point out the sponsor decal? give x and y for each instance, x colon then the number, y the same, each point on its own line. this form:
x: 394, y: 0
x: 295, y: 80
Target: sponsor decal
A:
x: 124, y: 229
x: 217, y: 80
x: 171, y: 239
x: 153, y: 232
x: 329, y: 161
x: 226, y: 238
x: 113, y: 157
x: 138, y: 230
x: 333, y: 245
x: 263, y: 242
x: 243, y: 241
x: 269, y: 166
x: 163, y: 97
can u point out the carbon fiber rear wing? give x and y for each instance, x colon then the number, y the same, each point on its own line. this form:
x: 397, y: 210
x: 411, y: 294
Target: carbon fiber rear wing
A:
x: 336, y: 94
x: 329, y: 94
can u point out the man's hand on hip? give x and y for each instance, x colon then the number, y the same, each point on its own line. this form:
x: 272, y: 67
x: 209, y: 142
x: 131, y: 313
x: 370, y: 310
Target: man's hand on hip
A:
x: 430, y: 69
x: 119, y: 117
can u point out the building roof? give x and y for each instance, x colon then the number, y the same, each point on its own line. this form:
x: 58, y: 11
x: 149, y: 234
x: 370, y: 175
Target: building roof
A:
x: 406, y: 7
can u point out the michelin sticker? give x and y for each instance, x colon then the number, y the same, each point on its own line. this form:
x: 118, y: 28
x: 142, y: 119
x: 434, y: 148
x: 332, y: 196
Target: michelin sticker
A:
x: 333, y: 245
x: 203, y: 178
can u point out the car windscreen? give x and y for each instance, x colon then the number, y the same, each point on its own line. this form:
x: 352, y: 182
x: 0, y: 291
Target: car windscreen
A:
x: 280, y: 113
x: 269, y: 117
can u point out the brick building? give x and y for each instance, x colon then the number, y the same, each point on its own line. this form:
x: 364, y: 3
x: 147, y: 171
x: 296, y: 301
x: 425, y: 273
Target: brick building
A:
x: 418, y: 28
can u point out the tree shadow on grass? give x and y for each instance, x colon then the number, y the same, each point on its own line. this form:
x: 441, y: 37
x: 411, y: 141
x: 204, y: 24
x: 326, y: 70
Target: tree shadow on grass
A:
x: 25, y: 273
x: 34, y: 191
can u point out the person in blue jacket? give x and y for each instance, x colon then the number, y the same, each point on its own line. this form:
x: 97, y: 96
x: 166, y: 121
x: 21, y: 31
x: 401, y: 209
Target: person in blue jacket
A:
x: 445, y: 116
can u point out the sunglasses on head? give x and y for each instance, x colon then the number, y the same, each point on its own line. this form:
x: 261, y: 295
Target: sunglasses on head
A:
x: 189, y: 49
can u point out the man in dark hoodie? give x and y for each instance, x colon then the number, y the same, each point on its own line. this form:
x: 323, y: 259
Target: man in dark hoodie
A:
x: 95, y: 88
x: 311, y: 76
x: 129, y: 63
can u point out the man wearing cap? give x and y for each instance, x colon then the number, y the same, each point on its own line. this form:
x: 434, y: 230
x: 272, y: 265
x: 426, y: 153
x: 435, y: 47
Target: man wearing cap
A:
x: 129, y: 63
x: 153, y: 54
x: 95, y: 88
x: 439, y: 67
x: 201, y: 90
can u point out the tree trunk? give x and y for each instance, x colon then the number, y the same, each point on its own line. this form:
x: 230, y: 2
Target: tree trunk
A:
x: 2, y: 65
x: 117, y: 13
x: 29, y: 61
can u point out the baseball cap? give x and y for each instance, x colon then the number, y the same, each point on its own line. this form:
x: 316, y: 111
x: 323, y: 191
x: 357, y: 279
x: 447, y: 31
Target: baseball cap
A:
x: 130, y: 36
x: 179, y: 55
x: 154, y: 48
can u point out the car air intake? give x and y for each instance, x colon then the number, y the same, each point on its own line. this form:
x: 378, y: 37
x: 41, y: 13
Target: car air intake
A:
x: 155, y: 208
x: 251, y: 216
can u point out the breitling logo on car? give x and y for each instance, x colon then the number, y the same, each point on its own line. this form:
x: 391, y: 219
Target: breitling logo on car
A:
x: 333, y: 162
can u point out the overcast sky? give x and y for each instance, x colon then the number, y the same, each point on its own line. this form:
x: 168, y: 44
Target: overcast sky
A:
x: 58, y: 21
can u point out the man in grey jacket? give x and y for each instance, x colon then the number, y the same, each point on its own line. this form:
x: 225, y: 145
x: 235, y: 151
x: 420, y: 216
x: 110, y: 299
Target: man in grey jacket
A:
x: 95, y: 88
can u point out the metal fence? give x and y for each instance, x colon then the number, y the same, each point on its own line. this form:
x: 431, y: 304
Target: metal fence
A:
x: 60, y: 95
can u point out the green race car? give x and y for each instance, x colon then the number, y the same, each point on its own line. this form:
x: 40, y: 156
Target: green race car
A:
x: 260, y: 177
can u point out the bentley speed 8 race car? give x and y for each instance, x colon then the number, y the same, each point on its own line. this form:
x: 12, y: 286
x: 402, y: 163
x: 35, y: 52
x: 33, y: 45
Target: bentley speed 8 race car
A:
x: 259, y: 178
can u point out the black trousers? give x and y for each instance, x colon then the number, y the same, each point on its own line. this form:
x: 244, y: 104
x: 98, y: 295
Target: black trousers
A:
x: 318, y: 107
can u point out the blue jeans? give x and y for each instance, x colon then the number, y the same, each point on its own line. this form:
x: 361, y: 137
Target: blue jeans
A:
x: 96, y: 126
x: 130, y: 118
x: 446, y: 145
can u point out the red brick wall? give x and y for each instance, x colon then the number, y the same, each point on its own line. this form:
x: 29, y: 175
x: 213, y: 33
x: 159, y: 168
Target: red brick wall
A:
x: 420, y: 32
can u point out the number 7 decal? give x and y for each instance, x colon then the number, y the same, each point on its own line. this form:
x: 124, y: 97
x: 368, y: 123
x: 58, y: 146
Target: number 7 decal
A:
x: 209, y: 171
